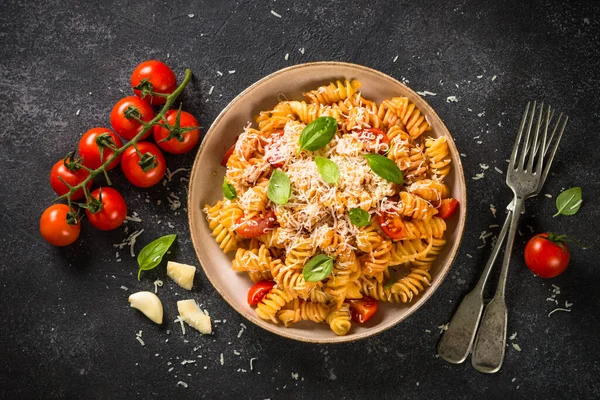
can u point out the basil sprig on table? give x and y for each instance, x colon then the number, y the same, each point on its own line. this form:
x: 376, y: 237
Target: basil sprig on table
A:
x: 385, y: 168
x: 280, y: 188
x: 152, y: 254
x: 318, y: 133
x: 317, y: 268
x: 359, y: 217
x: 569, y: 201
x: 328, y: 170
x: 228, y: 190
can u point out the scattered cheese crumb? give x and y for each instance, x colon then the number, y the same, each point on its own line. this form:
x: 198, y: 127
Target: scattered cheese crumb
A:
x: 188, y: 362
x: 484, y: 166
x: 78, y: 111
x: 275, y: 14
x: 395, y: 59
x: 498, y: 170
x: 180, y: 320
x: 251, y: 363
x: 478, y: 176
x: 451, y: 99
x: 516, y: 346
x: 494, y: 77
x: 287, y: 56
x: 219, y: 73
x: 301, y: 50
x: 211, y: 90
x: 567, y: 304
x: 191, y: 15
x: 222, y: 359
x: 548, y: 195
x: 157, y: 283
x: 232, y: 71
x: 463, y: 155
x: 426, y: 93
x: 493, y: 210
x: 470, y: 256
x: 559, y: 309
x: 182, y: 383
x: 443, y: 328
x: 124, y: 288
x: 295, y: 375
x: 481, y: 114
x: 513, y: 336
x: 513, y: 379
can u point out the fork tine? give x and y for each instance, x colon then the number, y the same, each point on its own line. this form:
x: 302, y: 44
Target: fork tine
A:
x: 544, y: 146
x: 523, y: 153
x: 540, y: 161
x: 556, y: 125
x: 548, y: 162
x: 513, y: 156
x: 535, y: 141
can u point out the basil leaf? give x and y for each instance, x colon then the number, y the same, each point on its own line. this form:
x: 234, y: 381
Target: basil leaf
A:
x: 280, y: 188
x: 385, y: 168
x: 317, y: 268
x: 568, y: 202
x: 318, y: 133
x: 152, y: 254
x: 328, y: 169
x: 359, y: 217
x: 228, y: 190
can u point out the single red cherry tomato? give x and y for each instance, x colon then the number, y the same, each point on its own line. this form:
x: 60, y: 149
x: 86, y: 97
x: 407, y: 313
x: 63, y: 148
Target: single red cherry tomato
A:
x: 363, y: 309
x: 255, y: 226
x: 447, y: 208
x: 135, y: 173
x: 156, y: 76
x: 258, y: 291
x: 392, y: 225
x: 228, y: 153
x: 547, y: 255
x: 113, y: 210
x: 89, y: 149
x: 61, y: 171
x: 122, y: 117
x: 189, y: 138
x: 374, y: 140
x: 54, y: 226
x: 272, y: 149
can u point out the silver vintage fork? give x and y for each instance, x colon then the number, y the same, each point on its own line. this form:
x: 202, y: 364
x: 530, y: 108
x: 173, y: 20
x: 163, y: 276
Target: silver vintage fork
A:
x: 456, y: 341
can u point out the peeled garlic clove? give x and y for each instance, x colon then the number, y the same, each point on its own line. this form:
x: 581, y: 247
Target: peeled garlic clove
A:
x: 182, y: 274
x: 194, y: 316
x: 149, y: 304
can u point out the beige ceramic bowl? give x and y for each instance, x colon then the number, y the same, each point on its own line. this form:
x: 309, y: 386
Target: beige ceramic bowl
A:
x: 207, y: 177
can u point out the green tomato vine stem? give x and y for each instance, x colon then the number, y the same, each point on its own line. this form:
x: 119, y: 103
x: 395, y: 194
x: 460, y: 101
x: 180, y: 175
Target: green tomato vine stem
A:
x: 118, y: 151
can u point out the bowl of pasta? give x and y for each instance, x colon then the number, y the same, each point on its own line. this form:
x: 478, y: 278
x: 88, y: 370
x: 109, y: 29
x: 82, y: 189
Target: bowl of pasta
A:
x: 327, y: 202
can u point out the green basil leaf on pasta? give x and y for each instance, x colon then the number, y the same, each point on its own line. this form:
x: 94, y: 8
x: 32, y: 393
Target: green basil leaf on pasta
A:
x: 152, y: 254
x: 385, y: 168
x: 328, y: 170
x: 317, y: 268
x: 568, y: 202
x: 280, y: 188
x: 318, y: 133
x: 359, y: 217
x: 228, y: 190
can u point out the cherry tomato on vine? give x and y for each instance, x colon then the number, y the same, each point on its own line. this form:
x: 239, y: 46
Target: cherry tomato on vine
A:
x: 189, y: 138
x: 391, y: 225
x: 447, y: 208
x: 255, y: 226
x: 272, y: 152
x: 374, y: 140
x: 135, y: 173
x: 113, y: 209
x: 153, y: 75
x: 72, y: 177
x: 123, y: 114
x: 547, y: 255
x: 228, y: 153
x: 54, y: 226
x: 258, y: 291
x: 363, y: 309
x: 89, y: 149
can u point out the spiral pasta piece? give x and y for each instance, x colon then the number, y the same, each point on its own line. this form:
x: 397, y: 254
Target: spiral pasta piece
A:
x: 301, y: 251
x: 225, y: 237
x: 337, y: 284
x: 377, y: 261
x: 412, y: 284
x: 431, y: 190
x: 407, y: 251
x: 417, y: 229
x: 290, y: 279
x: 425, y: 261
x: 334, y: 92
x: 377, y: 290
x: 415, y: 207
x: 439, y: 157
x: 302, y: 310
x: 368, y: 237
x: 340, y: 320
x: 255, y: 200
x: 411, y: 116
x: 270, y: 305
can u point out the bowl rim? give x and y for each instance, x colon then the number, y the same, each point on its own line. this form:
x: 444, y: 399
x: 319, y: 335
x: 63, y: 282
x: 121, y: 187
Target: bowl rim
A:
x: 439, y: 277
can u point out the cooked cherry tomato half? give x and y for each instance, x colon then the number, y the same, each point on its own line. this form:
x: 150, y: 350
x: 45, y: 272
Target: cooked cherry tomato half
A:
x: 363, y: 309
x: 547, y: 255
x: 89, y: 149
x: 258, y: 291
x: 54, y: 226
x: 228, y: 153
x: 123, y: 114
x: 113, y: 210
x: 272, y: 152
x: 61, y: 171
x: 391, y: 225
x: 156, y: 76
x: 255, y: 226
x: 134, y: 172
x: 374, y: 140
x: 447, y: 208
x: 189, y: 138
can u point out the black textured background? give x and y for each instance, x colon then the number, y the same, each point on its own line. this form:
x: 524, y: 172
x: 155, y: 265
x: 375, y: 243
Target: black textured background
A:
x: 67, y: 330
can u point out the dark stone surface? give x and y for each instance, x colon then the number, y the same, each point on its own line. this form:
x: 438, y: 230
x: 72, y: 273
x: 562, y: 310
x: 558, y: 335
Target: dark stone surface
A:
x: 67, y: 331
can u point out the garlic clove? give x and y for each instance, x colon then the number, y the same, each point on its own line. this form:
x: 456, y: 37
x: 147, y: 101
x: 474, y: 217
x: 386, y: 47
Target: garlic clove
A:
x: 149, y: 304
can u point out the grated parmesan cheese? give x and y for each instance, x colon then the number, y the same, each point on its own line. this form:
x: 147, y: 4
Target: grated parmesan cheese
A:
x: 157, y: 283
x: 182, y: 383
x: 222, y: 359
x: 395, y: 59
x: 452, y: 99
x: 251, y: 363
x: 275, y: 14
x: 516, y: 347
x: 180, y: 320
x: 559, y: 309
x: 498, y: 170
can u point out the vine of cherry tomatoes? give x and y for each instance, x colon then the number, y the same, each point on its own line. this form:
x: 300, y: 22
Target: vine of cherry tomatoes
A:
x: 142, y: 162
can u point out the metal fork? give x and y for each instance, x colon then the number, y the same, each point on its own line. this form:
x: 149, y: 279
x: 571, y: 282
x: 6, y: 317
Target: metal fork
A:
x: 456, y: 341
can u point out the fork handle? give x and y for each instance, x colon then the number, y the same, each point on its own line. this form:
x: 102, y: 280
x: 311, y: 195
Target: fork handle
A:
x: 456, y: 341
x: 490, y: 344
